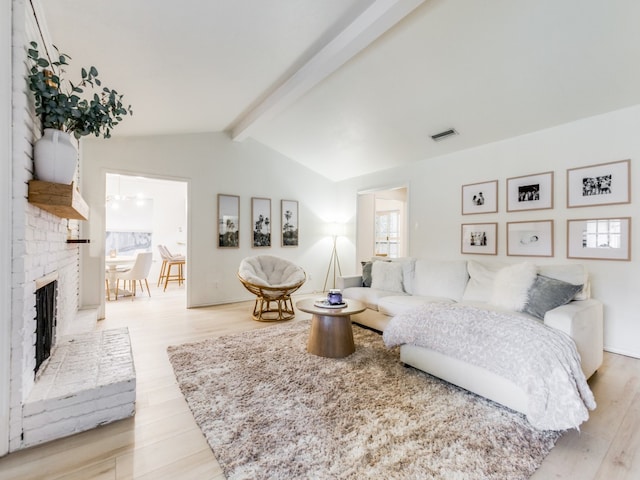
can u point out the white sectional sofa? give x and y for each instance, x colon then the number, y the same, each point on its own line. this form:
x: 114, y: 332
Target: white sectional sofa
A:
x: 400, y: 285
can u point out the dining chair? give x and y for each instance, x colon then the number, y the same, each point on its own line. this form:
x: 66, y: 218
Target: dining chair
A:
x: 169, y: 261
x: 137, y: 273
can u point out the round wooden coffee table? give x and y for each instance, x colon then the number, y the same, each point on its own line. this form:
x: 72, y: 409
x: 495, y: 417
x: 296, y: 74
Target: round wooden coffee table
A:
x: 331, y: 334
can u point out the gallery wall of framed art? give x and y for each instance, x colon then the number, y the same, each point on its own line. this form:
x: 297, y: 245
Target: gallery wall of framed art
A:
x: 261, y: 222
x: 604, y: 184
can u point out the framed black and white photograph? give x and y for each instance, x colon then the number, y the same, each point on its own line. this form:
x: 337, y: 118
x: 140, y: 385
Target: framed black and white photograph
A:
x: 603, y: 184
x: 289, y: 222
x: 480, y: 198
x: 261, y: 222
x: 530, y: 192
x: 228, y: 221
x: 479, y: 238
x: 530, y: 239
x: 599, y: 238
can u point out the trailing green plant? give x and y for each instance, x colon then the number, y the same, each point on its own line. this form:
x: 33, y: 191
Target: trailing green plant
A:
x: 64, y: 109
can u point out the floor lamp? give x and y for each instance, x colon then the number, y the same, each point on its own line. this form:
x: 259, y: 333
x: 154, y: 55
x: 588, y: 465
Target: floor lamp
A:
x: 336, y: 230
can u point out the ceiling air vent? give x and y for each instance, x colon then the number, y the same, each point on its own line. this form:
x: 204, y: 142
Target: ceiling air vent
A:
x: 442, y: 135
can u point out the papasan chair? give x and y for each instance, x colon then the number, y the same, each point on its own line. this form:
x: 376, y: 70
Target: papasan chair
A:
x: 272, y: 279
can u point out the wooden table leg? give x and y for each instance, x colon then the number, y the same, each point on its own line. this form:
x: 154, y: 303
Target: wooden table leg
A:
x: 331, y: 336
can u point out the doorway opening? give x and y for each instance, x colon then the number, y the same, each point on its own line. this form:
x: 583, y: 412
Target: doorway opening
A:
x: 142, y: 214
x: 382, y: 223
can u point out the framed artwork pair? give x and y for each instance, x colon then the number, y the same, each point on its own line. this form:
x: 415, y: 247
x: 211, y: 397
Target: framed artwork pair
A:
x: 261, y: 222
x: 533, y: 239
x: 530, y: 192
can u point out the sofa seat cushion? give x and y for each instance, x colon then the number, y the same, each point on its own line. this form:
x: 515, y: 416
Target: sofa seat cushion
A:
x: 394, y: 304
x: 369, y: 296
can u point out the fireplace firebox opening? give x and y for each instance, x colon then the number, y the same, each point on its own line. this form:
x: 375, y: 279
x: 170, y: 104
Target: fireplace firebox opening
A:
x: 45, y: 321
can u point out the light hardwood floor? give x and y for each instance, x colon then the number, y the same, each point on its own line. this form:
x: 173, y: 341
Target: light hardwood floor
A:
x: 162, y: 441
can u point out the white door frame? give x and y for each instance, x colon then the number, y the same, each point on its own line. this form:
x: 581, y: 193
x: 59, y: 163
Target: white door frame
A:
x: 5, y: 219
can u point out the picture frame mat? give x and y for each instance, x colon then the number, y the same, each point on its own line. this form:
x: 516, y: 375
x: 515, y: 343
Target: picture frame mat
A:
x: 479, y: 238
x: 578, y: 243
x: 530, y: 239
x: 480, y: 198
x: 583, y: 180
x: 530, y: 192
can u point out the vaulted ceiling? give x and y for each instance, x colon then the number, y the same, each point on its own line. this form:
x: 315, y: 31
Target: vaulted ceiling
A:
x: 349, y: 87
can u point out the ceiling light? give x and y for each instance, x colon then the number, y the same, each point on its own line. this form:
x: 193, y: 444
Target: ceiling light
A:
x: 442, y: 135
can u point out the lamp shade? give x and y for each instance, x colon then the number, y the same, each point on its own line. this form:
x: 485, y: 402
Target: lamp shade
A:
x: 336, y: 229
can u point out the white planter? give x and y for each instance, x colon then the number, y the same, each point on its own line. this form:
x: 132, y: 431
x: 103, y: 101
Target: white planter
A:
x: 55, y: 157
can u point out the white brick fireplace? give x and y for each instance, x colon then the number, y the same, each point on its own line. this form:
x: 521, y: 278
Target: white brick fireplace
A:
x: 43, y: 406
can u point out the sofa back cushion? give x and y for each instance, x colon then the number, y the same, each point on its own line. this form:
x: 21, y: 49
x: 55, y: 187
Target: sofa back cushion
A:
x: 387, y: 276
x: 481, y: 277
x: 438, y: 278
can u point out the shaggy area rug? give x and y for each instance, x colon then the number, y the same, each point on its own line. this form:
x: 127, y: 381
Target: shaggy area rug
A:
x: 270, y: 410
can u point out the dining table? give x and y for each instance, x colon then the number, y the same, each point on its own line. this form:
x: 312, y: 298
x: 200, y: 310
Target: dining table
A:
x: 113, y: 264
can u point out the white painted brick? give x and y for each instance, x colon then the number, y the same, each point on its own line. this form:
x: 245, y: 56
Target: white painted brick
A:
x: 38, y: 238
x: 75, y: 425
x: 88, y: 381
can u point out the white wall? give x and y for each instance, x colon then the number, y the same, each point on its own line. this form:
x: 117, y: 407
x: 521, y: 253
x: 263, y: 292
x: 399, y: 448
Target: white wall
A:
x: 435, y: 211
x: 210, y: 163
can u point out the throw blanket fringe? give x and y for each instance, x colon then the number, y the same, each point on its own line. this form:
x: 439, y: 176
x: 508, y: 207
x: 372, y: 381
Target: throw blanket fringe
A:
x: 543, y: 361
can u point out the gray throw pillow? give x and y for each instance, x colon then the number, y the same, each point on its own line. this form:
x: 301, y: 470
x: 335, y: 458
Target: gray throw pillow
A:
x: 548, y: 293
x: 366, y: 274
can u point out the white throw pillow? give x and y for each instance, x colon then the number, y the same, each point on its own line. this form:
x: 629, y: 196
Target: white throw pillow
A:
x: 440, y: 278
x: 511, y: 286
x: 480, y: 285
x: 387, y: 276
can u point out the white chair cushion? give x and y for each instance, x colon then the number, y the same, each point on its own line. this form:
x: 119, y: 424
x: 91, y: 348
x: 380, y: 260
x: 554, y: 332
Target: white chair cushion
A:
x: 270, y: 271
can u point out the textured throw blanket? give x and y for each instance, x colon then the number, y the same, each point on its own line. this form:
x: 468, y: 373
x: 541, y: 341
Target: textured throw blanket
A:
x: 543, y: 361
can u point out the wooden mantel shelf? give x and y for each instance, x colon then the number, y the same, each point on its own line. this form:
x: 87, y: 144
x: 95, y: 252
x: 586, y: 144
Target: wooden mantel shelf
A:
x: 61, y: 200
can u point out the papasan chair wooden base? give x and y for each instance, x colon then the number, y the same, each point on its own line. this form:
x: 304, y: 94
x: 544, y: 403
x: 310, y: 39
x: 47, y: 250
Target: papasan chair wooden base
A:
x: 272, y: 280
